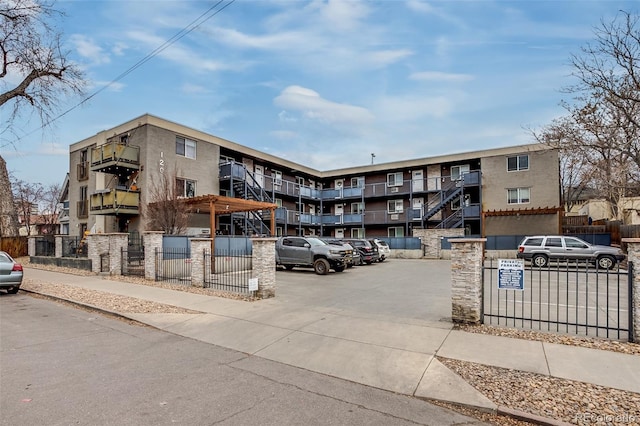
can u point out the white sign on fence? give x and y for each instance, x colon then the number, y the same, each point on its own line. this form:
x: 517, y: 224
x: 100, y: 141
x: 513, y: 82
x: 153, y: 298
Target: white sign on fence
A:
x: 253, y: 284
x: 510, y: 274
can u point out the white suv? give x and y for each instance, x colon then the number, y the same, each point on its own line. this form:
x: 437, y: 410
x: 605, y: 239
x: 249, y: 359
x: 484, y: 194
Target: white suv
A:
x: 539, y: 249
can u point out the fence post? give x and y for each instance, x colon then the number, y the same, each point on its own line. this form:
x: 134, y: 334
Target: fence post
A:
x: 97, y: 244
x: 117, y: 243
x: 31, y: 245
x: 467, y: 255
x: 58, y: 240
x: 198, y: 247
x: 152, y: 240
x: 633, y: 256
x: 264, y: 265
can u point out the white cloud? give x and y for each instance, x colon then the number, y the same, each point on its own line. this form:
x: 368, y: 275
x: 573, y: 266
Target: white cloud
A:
x: 193, y: 89
x: 340, y: 15
x: 408, y: 108
x: 119, y: 48
x: 441, y: 77
x: 419, y: 6
x: 113, y: 86
x: 87, y: 48
x: 283, y: 134
x: 314, y: 107
x: 386, y: 57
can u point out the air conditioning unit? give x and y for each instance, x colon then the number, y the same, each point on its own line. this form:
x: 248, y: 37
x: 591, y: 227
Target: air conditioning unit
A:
x: 394, y: 189
x: 395, y: 216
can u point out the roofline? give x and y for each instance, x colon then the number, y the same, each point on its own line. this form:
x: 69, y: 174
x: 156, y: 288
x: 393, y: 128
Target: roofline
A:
x: 149, y: 119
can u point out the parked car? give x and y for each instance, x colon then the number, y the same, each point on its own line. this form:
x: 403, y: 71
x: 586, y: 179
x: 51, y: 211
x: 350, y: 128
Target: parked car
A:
x: 541, y: 248
x: 10, y: 273
x: 311, y: 252
x: 383, y: 249
x: 355, y: 254
x: 368, y: 250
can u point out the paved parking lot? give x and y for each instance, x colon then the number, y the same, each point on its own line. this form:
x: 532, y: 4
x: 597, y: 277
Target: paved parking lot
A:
x: 405, y: 289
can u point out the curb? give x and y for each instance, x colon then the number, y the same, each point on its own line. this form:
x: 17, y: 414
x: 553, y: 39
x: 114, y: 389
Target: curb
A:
x: 528, y: 417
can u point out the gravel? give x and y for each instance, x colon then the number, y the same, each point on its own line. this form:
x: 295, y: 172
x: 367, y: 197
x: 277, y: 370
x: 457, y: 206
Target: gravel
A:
x: 552, y: 398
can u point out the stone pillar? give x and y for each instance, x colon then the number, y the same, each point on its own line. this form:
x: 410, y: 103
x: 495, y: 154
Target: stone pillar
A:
x: 108, y: 246
x: 198, y: 248
x: 151, y: 240
x: 58, y: 240
x: 467, y: 255
x: 264, y: 266
x: 97, y: 246
x: 31, y: 245
x: 633, y: 256
x: 117, y: 243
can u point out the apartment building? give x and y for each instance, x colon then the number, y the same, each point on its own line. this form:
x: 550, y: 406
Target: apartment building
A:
x: 503, y: 191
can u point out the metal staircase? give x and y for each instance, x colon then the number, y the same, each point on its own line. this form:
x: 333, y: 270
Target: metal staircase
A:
x: 447, y: 194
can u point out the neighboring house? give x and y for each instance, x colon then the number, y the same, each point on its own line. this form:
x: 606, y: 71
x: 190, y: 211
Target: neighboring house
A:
x: 39, y: 224
x: 599, y: 209
x: 502, y: 191
x: 63, y: 207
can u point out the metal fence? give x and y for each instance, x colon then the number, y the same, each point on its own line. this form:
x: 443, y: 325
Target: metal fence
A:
x: 229, y: 270
x: 132, y: 260
x: 46, y: 246
x: 173, y: 265
x: 574, y: 297
x: 74, y: 246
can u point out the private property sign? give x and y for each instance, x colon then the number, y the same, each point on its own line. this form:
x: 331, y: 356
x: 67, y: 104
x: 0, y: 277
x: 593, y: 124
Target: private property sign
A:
x: 510, y: 274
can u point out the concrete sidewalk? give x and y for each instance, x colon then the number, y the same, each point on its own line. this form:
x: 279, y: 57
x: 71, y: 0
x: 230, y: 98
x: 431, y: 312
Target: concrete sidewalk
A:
x: 389, y: 354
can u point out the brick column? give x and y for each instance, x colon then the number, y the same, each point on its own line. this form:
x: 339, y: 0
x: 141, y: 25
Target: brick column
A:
x: 97, y: 246
x: 198, y: 248
x: 633, y: 256
x: 31, y: 245
x: 264, y: 266
x: 152, y: 240
x: 58, y: 240
x: 467, y: 255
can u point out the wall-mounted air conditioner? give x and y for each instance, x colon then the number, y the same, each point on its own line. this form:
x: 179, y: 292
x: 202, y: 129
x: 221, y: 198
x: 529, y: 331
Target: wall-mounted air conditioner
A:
x: 394, y: 189
x: 395, y: 216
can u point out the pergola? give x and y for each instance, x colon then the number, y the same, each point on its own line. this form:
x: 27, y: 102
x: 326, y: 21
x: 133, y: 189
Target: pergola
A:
x: 217, y: 205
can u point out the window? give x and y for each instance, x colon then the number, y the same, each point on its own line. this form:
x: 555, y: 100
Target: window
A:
x: 278, y: 202
x: 456, y: 204
x: 553, y: 242
x: 394, y: 206
x: 357, y: 208
x: 357, y: 182
x: 185, y: 188
x: 357, y: 233
x: 573, y: 243
x: 458, y: 171
x: 185, y: 147
x: 518, y: 195
x: 394, y: 179
x: 84, y: 190
x: 300, y: 180
x: 395, y: 231
x: 518, y: 162
x: 277, y: 178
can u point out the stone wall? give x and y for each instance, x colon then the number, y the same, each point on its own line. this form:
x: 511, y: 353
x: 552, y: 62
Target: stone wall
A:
x: 633, y: 253
x: 105, y: 251
x: 152, y: 241
x: 198, y: 248
x: 466, y: 280
x: 431, y: 240
x: 264, y: 266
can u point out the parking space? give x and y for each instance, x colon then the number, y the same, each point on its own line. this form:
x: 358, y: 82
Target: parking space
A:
x: 401, y: 289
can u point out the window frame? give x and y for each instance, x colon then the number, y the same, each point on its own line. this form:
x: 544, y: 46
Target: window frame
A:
x: 395, y: 180
x: 520, y: 199
x: 357, y: 182
x: 395, y: 231
x: 359, y: 208
x: 518, y: 166
x: 184, y: 187
x: 185, y: 143
x: 395, y: 205
x: 462, y: 169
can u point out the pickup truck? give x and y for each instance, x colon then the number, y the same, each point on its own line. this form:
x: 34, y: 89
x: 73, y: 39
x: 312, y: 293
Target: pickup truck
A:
x: 311, y: 252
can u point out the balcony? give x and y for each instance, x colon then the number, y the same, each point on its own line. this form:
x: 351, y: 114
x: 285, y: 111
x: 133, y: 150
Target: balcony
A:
x: 115, y: 201
x: 110, y: 157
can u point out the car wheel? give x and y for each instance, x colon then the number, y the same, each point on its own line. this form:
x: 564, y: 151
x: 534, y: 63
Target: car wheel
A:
x: 13, y: 290
x: 339, y: 268
x: 350, y: 265
x: 321, y: 266
x: 368, y: 262
x: 539, y: 260
x: 606, y: 262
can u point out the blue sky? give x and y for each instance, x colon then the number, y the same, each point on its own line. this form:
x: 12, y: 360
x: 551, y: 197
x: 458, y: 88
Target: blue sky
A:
x: 322, y: 83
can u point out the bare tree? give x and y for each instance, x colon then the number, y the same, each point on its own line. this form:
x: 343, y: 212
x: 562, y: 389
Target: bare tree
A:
x: 50, y: 207
x: 27, y: 197
x: 165, y: 211
x: 31, y: 55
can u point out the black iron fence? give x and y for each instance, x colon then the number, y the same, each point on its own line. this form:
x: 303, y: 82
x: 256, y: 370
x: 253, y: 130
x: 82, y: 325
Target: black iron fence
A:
x: 574, y: 297
x: 173, y: 265
x: 132, y: 260
x: 228, y: 270
x: 46, y: 246
x: 74, y: 246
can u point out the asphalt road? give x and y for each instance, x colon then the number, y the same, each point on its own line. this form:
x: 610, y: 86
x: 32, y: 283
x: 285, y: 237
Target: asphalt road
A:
x: 60, y: 365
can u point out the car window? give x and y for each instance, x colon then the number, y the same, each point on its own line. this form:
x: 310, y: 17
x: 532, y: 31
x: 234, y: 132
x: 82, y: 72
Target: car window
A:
x: 533, y: 242
x: 574, y: 243
x: 4, y: 258
x: 553, y: 242
x: 315, y: 242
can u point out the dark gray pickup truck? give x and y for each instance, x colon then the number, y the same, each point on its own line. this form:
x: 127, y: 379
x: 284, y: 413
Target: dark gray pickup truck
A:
x: 311, y: 252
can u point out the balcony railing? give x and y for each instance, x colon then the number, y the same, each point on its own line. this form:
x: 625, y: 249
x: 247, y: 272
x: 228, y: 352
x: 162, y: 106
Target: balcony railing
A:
x: 82, y: 209
x: 115, y: 201
x: 115, y: 154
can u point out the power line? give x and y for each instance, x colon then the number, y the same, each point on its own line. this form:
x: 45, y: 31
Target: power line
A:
x: 179, y: 35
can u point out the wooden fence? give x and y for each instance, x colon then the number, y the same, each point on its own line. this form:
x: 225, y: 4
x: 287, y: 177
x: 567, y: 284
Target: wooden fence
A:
x: 15, y: 246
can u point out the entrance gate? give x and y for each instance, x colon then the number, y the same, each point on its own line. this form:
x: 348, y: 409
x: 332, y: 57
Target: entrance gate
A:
x: 566, y: 297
